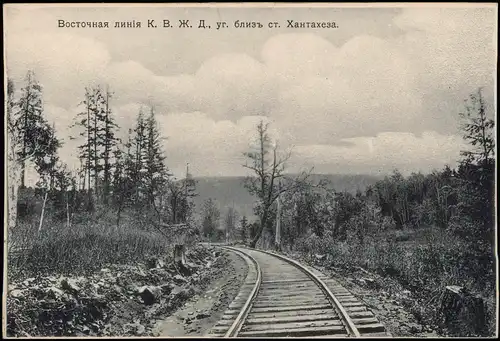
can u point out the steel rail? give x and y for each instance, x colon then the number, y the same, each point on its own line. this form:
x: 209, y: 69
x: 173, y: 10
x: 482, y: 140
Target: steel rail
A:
x: 348, y: 323
x: 240, y: 319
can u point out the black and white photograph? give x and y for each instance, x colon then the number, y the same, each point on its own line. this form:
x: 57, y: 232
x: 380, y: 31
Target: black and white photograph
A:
x: 250, y: 170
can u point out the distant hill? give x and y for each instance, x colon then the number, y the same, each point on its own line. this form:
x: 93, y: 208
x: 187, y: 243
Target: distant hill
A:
x: 229, y: 191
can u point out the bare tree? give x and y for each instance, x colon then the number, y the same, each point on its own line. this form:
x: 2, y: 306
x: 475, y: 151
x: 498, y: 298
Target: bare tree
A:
x: 14, y: 160
x: 268, y: 166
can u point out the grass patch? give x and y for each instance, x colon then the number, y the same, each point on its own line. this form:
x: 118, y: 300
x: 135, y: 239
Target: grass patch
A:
x: 82, y: 248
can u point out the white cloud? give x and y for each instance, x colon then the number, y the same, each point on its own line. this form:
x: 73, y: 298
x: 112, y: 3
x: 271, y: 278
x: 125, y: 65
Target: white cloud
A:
x: 211, y: 147
x: 317, y: 94
x: 292, y: 57
x: 64, y: 63
x: 383, y: 153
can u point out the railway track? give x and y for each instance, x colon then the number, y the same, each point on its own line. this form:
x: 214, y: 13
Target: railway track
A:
x: 283, y: 298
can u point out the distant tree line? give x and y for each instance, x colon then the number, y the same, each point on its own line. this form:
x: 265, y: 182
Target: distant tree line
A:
x: 459, y: 200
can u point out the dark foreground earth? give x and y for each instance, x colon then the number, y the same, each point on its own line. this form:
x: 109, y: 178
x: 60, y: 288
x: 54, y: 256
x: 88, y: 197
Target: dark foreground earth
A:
x: 146, y: 299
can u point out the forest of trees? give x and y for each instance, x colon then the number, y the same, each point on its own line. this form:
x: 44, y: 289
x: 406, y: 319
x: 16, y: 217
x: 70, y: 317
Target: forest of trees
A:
x: 459, y: 199
x: 227, y: 228
x: 453, y: 206
x: 114, y: 179
x: 130, y: 179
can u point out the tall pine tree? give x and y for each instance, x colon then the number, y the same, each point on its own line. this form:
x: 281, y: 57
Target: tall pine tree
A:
x: 108, y: 141
x: 156, y: 175
x: 98, y: 128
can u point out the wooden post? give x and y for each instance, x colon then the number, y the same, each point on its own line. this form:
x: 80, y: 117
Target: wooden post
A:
x: 43, y: 211
x: 278, y: 220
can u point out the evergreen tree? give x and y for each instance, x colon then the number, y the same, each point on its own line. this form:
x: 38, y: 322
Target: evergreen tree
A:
x: 109, y: 141
x: 476, y: 175
x: 98, y: 128
x: 87, y: 121
x: 138, y: 158
x: 478, y: 130
x: 37, y: 138
x: 155, y: 172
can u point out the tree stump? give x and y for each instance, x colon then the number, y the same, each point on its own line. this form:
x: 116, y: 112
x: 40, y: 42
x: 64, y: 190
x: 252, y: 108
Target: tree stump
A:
x: 180, y: 259
x: 464, y: 313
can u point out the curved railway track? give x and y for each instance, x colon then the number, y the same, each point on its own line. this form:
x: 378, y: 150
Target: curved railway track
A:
x: 283, y: 298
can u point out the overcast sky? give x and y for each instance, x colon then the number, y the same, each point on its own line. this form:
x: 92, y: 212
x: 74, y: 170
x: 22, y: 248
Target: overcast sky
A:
x: 382, y: 91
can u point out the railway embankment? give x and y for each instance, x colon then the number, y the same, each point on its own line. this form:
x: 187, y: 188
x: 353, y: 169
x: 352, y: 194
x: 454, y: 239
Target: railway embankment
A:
x: 284, y: 298
x: 117, y: 300
x: 393, y: 305
x: 406, y: 309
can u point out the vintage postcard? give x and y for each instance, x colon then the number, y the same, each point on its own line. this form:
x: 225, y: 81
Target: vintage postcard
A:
x: 250, y: 170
